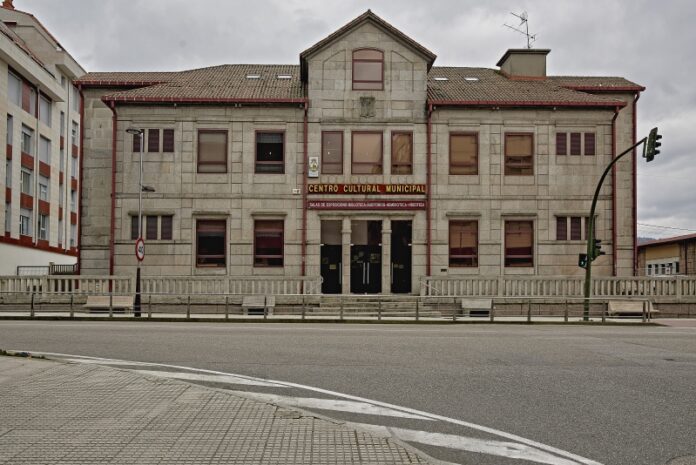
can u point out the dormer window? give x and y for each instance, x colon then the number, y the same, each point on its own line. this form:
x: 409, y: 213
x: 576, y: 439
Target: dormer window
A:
x: 368, y: 69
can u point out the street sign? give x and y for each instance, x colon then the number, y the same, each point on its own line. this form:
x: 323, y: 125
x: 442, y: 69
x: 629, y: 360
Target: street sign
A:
x: 140, y: 249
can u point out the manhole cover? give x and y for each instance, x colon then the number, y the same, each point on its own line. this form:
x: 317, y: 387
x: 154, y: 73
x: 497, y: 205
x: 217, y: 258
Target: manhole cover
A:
x: 685, y: 460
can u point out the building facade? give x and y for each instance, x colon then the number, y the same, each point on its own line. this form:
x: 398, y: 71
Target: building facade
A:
x: 669, y: 256
x: 40, y: 107
x: 365, y: 164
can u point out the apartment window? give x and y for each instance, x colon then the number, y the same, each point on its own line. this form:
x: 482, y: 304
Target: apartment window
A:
x: 576, y: 233
x: 75, y: 133
x: 27, y: 140
x: 135, y: 230
x: 43, y: 227
x: 270, y: 152
x: 60, y: 231
x: 45, y: 110
x: 73, y: 201
x: 463, y: 243
x: 73, y: 235
x: 575, y: 228
x: 153, y: 136
x: 151, y: 227
x: 332, y: 152
x: 136, y: 143
x: 73, y: 167
x: 75, y: 99
x: 519, y: 244
x: 402, y: 152
x: 10, y: 130
x: 62, y: 160
x: 366, y: 153
x: 25, y: 221
x: 463, y: 153
x: 44, y: 150
x: 210, y: 243
x: 580, y: 143
x: 8, y: 173
x: 8, y: 217
x: 212, y: 151
x: 62, y: 124
x: 368, y: 69
x: 519, y: 154
x: 44, y: 187
x: 561, y: 228
x: 168, y: 140
x: 166, y: 227
x: 31, y: 108
x: 14, y: 89
x: 268, y: 243
x: 27, y: 181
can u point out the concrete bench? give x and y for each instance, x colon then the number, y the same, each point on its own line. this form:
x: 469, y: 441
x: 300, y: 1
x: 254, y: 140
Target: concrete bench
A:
x: 477, y: 307
x: 630, y: 308
x: 118, y: 302
x: 257, y: 304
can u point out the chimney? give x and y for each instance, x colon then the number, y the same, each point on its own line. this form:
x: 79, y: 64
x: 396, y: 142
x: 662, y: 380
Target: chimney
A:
x: 524, y: 63
x: 8, y: 4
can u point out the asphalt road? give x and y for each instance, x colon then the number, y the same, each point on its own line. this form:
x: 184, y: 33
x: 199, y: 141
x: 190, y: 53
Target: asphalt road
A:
x: 615, y: 395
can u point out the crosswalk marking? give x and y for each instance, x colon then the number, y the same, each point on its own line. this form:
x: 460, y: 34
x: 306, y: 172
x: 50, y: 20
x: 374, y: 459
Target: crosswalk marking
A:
x: 226, y: 379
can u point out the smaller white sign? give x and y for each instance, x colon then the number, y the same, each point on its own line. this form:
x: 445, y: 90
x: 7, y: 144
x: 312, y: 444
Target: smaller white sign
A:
x: 313, y: 167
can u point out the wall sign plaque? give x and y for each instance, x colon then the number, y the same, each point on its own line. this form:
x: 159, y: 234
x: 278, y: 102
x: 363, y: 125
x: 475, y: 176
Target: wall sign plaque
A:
x: 366, y: 204
x: 367, y: 189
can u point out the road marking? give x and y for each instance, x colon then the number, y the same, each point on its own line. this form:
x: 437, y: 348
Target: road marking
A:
x: 227, y: 379
x: 349, y: 406
x: 512, y: 450
x: 454, y: 421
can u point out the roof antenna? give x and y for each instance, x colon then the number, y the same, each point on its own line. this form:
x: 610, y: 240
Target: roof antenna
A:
x: 523, y: 17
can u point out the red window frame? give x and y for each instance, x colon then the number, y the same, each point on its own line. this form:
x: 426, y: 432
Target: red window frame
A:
x: 408, y: 165
x: 258, y: 162
x: 353, y: 163
x: 367, y: 60
x: 323, y: 151
x: 264, y: 260
x: 519, y: 260
x: 473, y: 257
x: 464, y: 165
x: 198, y: 151
x: 507, y: 156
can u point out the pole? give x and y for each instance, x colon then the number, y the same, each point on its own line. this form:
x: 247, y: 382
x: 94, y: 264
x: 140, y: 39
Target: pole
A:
x: 591, y: 230
x: 136, y: 304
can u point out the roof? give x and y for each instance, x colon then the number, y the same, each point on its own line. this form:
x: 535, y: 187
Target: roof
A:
x: 597, y: 83
x: 217, y: 84
x: 485, y: 87
x: 367, y: 16
x: 668, y: 240
x: 127, y: 78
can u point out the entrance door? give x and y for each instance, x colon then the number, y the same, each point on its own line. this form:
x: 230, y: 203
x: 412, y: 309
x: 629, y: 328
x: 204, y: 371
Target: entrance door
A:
x: 401, y: 257
x: 366, y: 257
x: 331, y: 257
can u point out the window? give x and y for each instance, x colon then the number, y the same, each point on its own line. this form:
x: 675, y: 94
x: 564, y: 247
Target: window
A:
x: 269, y: 152
x: 332, y: 152
x: 14, y: 89
x: 153, y: 140
x: 166, y: 227
x: 60, y: 231
x: 27, y: 140
x: 561, y: 228
x: 73, y: 201
x: 135, y: 230
x: 10, y: 130
x: 577, y: 231
x: 31, y: 108
x: 44, y: 150
x: 44, y: 188
x: 519, y: 244
x: 168, y: 140
x: 402, y: 152
x: 73, y: 167
x: 136, y: 142
x: 151, y: 227
x: 519, y: 154
x: 73, y: 235
x: 463, y: 243
x: 210, y: 243
x: 268, y: 243
x: 580, y: 143
x: 75, y: 99
x: 62, y: 124
x: 45, y: 110
x: 212, y: 151
x: 8, y: 217
x: 368, y: 69
x: 366, y: 153
x: 575, y: 228
x: 62, y: 160
x: 463, y: 154
x: 649, y: 269
x: 75, y: 133
x: 43, y: 227
x: 27, y: 181
x: 25, y: 221
x: 60, y: 196
x: 8, y: 173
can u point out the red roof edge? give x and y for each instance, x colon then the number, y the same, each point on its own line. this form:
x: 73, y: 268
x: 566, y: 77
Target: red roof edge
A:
x: 668, y: 240
x: 123, y: 99
x: 513, y: 103
x: 116, y: 83
x: 605, y: 88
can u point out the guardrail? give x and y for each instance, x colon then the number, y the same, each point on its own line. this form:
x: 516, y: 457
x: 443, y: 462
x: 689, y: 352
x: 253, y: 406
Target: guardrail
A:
x: 232, y: 285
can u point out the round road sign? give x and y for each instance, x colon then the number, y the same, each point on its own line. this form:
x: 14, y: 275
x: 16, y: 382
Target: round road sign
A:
x: 140, y: 249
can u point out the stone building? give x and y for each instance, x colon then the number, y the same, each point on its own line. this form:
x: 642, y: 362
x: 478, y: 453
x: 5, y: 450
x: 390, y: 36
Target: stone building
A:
x: 669, y: 256
x: 40, y: 107
x: 365, y: 164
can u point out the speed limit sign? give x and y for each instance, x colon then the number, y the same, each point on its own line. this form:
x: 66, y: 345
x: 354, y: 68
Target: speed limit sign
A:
x: 140, y: 249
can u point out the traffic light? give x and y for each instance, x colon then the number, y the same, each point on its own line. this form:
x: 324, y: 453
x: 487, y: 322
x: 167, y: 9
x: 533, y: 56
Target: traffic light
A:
x: 582, y: 260
x: 652, y: 147
x: 597, y: 249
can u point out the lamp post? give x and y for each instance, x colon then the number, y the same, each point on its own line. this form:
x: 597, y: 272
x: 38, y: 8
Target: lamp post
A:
x: 138, y: 132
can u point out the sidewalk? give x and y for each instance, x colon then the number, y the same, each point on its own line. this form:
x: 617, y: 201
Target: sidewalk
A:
x: 56, y: 413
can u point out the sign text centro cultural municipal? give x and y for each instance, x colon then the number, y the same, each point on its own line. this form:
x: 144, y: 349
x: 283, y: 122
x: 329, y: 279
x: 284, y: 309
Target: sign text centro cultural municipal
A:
x: 373, y: 189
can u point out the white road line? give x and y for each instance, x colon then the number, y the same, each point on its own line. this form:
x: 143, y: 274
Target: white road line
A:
x: 512, y: 450
x: 454, y: 421
x: 228, y: 379
x: 349, y: 406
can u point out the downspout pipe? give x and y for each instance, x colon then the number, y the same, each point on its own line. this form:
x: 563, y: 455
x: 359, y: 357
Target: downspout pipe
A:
x: 428, y: 195
x: 79, y: 188
x: 112, y: 228
x: 635, y: 187
x: 305, y: 164
x: 614, y: 190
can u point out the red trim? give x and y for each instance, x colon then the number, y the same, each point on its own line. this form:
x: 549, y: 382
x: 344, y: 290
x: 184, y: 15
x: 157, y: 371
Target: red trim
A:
x: 26, y: 241
x: 44, y: 207
x: 73, y: 184
x: 79, y: 194
x: 8, y: 195
x: 61, y: 177
x: 60, y: 213
x: 613, y: 194
x: 428, y: 213
x: 27, y: 161
x: 138, y: 99
x: 304, y: 188
x: 74, y: 151
x: 62, y: 142
x: 8, y: 151
x: 116, y: 83
x: 668, y: 240
x: 330, y: 204
x: 531, y: 103
x: 26, y: 201
x: 635, y: 189
x: 73, y: 218
x: 112, y: 227
x: 44, y: 169
x: 605, y: 89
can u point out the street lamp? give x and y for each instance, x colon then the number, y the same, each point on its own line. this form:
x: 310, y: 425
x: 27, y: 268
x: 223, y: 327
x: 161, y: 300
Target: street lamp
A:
x: 139, y: 132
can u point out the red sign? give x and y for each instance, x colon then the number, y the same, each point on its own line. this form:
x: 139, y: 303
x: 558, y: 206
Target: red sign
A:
x: 366, y: 204
x: 140, y: 249
x: 367, y: 189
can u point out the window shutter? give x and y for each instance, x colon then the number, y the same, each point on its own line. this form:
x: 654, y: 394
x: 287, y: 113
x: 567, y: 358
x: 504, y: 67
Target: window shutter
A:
x: 153, y: 140
x: 168, y: 140
x: 151, y: 227
x: 134, y: 227
x: 561, y: 143
x: 589, y: 143
x: 576, y: 228
x: 166, y: 233
x: 575, y: 140
x: 561, y: 228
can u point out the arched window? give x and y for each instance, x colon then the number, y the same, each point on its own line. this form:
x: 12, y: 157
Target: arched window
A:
x: 368, y: 69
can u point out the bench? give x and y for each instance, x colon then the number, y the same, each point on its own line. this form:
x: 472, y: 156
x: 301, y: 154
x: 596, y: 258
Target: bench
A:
x: 258, y: 304
x: 477, y: 307
x: 630, y: 308
x: 118, y: 302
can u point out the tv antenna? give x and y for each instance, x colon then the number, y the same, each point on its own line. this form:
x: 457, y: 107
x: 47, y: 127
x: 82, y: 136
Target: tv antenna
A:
x: 524, y: 19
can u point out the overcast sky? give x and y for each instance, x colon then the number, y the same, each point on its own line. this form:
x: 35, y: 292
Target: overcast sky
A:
x: 649, y: 42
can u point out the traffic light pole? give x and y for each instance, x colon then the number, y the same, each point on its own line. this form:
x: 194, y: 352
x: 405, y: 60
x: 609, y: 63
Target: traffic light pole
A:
x: 591, y: 230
